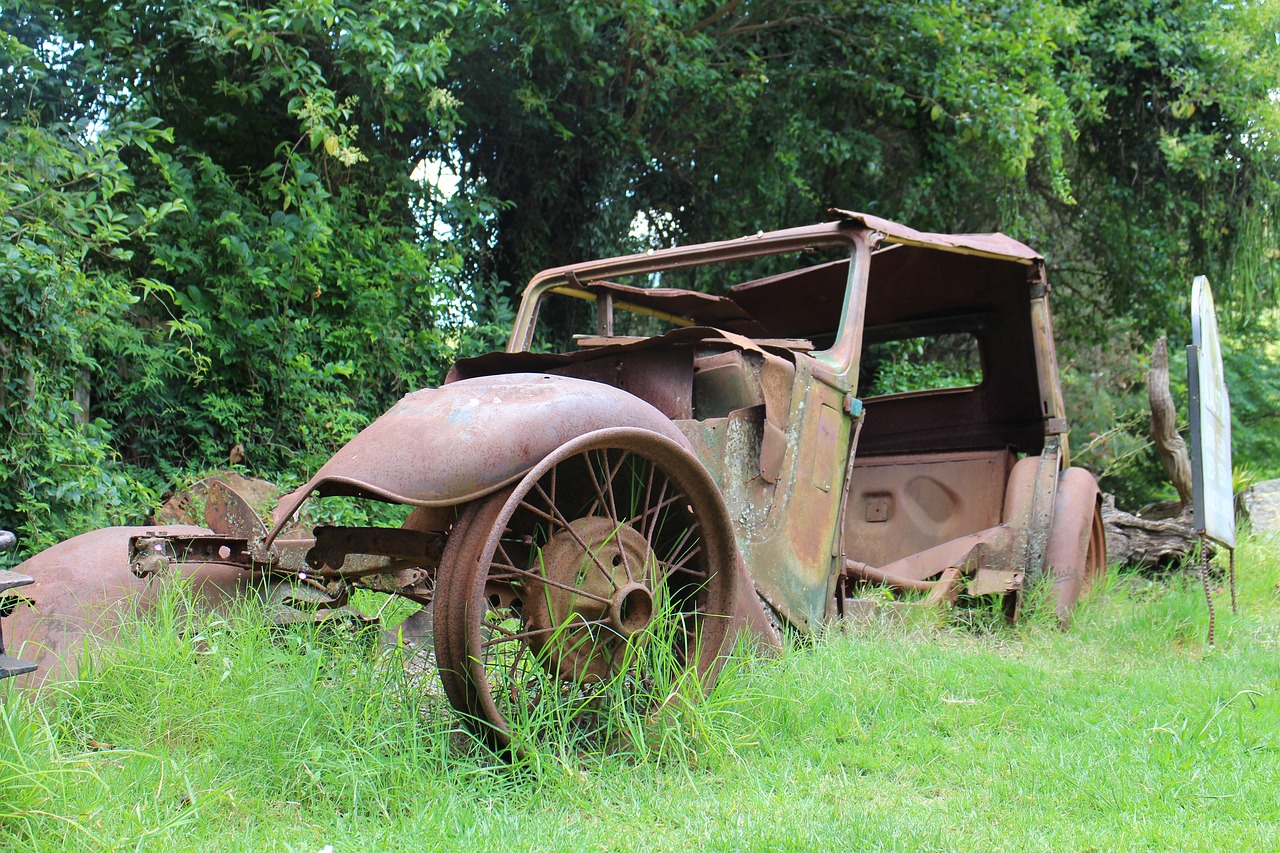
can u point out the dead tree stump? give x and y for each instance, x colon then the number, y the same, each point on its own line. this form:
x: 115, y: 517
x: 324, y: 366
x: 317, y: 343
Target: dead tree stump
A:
x: 1164, y: 424
x: 1156, y: 542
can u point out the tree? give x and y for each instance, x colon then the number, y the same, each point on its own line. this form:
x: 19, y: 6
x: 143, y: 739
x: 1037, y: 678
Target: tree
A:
x: 214, y: 206
x: 214, y: 225
x: 1133, y: 141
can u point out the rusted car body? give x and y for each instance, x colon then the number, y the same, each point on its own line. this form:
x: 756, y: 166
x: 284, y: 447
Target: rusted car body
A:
x: 705, y: 457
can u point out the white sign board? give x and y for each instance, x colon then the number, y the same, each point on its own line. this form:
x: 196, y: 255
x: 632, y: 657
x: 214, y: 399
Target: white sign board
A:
x: 1213, y: 496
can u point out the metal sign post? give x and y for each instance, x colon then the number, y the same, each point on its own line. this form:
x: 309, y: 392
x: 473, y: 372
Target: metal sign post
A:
x: 1213, y: 497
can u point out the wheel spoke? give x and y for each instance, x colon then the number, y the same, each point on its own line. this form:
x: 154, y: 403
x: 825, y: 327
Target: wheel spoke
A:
x: 676, y: 557
x: 680, y: 566
x: 512, y: 573
x: 546, y: 516
x: 510, y: 566
x: 602, y: 501
x: 614, y: 515
x: 655, y: 510
x: 508, y: 636
x: 612, y: 492
x: 648, y: 492
x: 606, y: 501
x: 552, y: 485
x: 576, y: 538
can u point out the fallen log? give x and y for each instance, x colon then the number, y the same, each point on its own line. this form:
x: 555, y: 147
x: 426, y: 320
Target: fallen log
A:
x: 1149, y: 543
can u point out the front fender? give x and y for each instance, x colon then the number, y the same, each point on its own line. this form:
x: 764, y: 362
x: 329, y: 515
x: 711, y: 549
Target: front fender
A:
x: 445, y: 446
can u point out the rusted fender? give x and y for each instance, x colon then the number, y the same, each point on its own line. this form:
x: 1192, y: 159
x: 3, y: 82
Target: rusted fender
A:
x: 1076, y: 553
x: 83, y: 589
x: 449, y: 445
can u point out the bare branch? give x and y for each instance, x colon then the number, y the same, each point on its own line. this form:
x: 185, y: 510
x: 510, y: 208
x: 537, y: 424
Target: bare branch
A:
x: 1164, y: 423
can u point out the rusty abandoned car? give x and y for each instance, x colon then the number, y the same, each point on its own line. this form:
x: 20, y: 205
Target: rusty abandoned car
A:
x: 682, y: 444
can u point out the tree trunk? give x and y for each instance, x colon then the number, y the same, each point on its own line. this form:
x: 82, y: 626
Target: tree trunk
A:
x: 1164, y: 424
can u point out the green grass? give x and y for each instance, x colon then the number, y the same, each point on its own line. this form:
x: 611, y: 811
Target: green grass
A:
x: 1125, y: 733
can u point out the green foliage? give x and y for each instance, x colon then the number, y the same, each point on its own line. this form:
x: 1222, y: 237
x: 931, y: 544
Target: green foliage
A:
x: 278, y: 330
x: 708, y: 119
x: 1105, y: 389
x: 1252, y: 363
x: 1175, y: 173
x: 70, y: 215
x: 920, y: 364
x: 210, y: 241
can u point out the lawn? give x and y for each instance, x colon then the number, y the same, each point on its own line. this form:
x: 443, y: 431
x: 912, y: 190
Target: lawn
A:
x: 1124, y: 733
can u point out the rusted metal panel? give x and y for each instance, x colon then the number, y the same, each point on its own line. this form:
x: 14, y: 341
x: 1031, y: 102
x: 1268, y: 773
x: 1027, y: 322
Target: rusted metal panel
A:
x: 1032, y: 515
x: 984, y: 245
x: 449, y: 445
x: 907, y: 503
x: 226, y: 512
x: 1046, y: 360
x: 660, y: 377
x: 1075, y: 549
x: 83, y: 588
x: 789, y: 554
x: 827, y: 448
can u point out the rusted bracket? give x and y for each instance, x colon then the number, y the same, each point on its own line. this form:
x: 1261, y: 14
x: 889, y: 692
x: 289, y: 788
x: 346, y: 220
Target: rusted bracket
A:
x: 336, y: 552
x: 157, y: 553
x: 1056, y: 426
x: 399, y: 561
x: 996, y: 582
x: 9, y: 665
x: 870, y: 574
x: 946, y: 588
x: 335, y: 548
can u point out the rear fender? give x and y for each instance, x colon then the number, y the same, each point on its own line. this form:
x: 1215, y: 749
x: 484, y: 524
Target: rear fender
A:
x: 445, y: 446
x: 84, y: 589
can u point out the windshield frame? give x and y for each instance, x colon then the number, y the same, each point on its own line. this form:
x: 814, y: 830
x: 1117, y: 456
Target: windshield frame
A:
x: 840, y: 358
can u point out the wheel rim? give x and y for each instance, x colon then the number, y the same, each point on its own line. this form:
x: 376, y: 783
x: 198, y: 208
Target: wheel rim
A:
x: 614, y: 550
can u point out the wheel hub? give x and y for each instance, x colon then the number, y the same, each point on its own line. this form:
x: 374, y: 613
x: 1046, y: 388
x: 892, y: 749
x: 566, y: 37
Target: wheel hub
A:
x: 597, y: 596
x: 631, y: 609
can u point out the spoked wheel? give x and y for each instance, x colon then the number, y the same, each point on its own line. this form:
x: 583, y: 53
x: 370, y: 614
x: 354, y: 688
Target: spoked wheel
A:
x: 611, y: 558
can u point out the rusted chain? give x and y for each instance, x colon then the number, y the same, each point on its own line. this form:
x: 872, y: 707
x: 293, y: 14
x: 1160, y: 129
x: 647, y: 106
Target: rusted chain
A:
x: 1204, y: 578
x: 1231, y: 575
